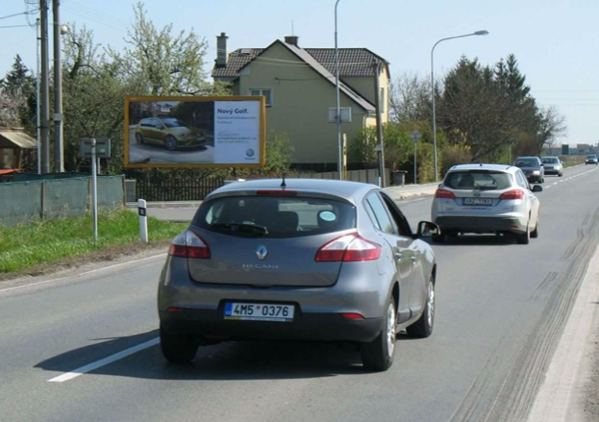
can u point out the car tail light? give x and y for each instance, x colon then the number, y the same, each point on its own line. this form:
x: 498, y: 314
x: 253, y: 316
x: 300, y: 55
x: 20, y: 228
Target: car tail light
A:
x: 444, y: 193
x: 352, y: 315
x: 189, y: 245
x: 348, y: 248
x: 512, y: 194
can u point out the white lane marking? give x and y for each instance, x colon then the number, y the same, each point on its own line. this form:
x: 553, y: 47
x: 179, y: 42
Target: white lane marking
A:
x: 103, y: 362
x: 84, y: 273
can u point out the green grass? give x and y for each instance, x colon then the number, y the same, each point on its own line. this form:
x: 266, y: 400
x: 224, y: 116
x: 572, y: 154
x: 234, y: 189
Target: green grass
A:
x: 45, y: 241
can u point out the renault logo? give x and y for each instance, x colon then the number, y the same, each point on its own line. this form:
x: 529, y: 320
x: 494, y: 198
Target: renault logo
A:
x: 262, y: 252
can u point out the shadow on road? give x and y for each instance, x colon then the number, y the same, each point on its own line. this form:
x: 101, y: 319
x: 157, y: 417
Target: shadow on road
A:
x: 224, y: 362
x: 476, y: 240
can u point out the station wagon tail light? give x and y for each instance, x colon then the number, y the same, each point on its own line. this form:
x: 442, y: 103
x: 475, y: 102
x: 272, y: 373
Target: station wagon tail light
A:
x: 512, y: 194
x: 189, y: 245
x: 349, y: 248
x: 444, y: 193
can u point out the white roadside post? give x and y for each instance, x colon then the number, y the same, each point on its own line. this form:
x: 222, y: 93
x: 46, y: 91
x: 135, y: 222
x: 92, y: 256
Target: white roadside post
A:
x: 415, y: 135
x: 94, y: 190
x: 143, y: 220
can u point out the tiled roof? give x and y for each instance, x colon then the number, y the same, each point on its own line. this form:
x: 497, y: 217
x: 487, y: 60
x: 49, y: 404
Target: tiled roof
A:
x: 352, y: 61
x: 305, y: 56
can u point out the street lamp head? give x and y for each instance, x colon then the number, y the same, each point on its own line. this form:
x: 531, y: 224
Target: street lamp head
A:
x: 483, y: 32
x: 64, y: 29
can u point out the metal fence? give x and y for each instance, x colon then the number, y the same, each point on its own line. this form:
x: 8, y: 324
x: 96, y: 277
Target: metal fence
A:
x: 188, y: 189
x: 21, y: 202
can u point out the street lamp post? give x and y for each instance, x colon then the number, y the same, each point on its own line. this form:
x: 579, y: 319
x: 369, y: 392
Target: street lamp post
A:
x: 338, y: 107
x: 483, y: 32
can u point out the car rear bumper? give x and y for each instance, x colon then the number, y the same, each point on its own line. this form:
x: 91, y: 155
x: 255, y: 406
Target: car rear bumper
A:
x: 211, y: 325
x: 481, y: 224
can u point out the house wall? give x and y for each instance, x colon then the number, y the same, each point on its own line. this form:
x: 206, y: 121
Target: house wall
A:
x: 364, y: 85
x: 301, y: 98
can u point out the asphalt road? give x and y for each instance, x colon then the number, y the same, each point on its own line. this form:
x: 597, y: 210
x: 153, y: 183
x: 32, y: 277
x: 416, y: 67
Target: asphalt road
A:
x: 501, y: 308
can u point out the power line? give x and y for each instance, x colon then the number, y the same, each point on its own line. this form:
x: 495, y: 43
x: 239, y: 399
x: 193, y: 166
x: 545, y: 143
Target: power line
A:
x: 14, y: 15
x: 15, y: 26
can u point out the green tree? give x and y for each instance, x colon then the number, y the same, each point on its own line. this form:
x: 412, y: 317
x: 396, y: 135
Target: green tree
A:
x: 161, y: 62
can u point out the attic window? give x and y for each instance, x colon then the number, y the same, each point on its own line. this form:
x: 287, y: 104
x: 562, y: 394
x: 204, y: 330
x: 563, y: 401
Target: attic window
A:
x: 246, y: 51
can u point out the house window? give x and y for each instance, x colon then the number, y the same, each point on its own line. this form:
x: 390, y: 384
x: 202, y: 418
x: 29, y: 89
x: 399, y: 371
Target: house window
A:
x: 267, y: 92
x: 6, y: 158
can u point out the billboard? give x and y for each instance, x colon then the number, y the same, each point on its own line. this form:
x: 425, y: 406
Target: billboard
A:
x: 188, y: 131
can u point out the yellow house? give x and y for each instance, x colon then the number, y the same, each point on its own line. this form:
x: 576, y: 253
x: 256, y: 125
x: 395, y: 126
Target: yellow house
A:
x: 299, y: 87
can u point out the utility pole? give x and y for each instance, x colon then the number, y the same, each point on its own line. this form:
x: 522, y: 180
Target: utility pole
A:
x: 376, y: 66
x: 57, y: 117
x: 37, y: 97
x: 45, y: 94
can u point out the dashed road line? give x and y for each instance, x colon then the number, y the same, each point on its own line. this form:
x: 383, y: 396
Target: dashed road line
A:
x: 103, y: 362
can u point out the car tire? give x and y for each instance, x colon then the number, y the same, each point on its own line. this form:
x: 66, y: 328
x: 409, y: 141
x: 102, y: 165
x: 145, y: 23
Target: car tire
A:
x: 535, y: 233
x: 561, y: 175
x: 524, y: 238
x: 177, y: 348
x: 423, y: 328
x: 170, y: 143
x: 378, y: 354
x: 139, y: 139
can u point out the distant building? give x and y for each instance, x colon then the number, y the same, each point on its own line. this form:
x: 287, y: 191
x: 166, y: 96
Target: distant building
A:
x: 13, y: 141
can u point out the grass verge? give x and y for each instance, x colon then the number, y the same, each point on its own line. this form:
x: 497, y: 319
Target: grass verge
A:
x: 45, y: 243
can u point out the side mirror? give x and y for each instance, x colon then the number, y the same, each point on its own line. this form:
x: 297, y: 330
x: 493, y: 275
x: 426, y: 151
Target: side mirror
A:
x: 537, y: 188
x: 428, y: 229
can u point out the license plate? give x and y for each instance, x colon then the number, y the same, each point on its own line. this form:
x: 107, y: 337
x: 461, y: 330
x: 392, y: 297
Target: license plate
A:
x: 478, y: 201
x: 259, y: 312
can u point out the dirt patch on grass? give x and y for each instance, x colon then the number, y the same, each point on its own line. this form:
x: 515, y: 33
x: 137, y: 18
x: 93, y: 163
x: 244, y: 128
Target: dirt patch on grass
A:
x: 106, y: 254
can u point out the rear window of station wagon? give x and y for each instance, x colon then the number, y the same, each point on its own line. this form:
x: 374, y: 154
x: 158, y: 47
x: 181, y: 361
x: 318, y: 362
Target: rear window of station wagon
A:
x: 478, y: 179
x: 274, y: 216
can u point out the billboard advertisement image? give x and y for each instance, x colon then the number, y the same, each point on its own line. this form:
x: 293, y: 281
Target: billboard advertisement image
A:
x: 194, y: 131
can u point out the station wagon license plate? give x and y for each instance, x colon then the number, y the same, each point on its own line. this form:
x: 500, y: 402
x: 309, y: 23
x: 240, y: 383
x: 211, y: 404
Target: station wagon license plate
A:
x: 259, y: 312
x: 478, y: 201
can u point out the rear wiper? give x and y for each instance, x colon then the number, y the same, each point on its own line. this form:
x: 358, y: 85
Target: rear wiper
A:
x: 242, y: 227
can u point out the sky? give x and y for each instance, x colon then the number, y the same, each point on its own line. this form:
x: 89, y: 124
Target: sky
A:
x: 555, y: 41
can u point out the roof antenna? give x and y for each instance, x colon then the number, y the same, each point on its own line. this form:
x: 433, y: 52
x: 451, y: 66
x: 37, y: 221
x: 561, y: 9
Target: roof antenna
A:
x: 283, y: 184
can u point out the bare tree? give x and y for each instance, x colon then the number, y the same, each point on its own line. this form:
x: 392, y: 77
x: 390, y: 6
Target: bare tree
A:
x: 9, y: 109
x: 409, y: 98
x: 552, y: 127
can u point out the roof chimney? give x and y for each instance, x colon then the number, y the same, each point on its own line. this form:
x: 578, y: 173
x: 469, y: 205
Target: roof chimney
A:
x: 292, y: 39
x: 221, y: 50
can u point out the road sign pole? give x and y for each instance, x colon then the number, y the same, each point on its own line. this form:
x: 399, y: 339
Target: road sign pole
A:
x: 94, y: 190
x: 415, y: 163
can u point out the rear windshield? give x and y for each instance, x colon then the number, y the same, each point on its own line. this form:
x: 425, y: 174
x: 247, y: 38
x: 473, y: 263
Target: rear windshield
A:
x: 591, y: 156
x: 527, y: 162
x: 549, y: 160
x: 478, y: 179
x: 272, y: 216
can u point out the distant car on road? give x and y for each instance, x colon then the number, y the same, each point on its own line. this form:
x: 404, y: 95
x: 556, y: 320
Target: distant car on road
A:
x: 532, y: 167
x: 307, y: 260
x: 591, y: 159
x: 169, y: 132
x: 553, y: 165
x: 486, y: 198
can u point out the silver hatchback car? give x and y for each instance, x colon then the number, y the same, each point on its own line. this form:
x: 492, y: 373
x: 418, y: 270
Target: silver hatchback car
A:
x: 306, y: 260
x: 486, y: 198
